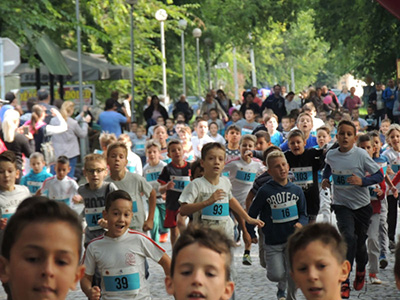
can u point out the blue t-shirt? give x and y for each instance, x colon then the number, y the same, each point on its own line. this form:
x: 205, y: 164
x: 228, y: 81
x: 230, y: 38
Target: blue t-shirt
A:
x: 277, y: 138
x: 310, y: 143
x: 110, y: 121
x: 34, y: 180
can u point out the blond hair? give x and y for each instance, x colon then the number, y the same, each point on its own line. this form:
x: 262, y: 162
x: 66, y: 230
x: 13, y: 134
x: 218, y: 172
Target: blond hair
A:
x: 273, y: 155
x: 249, y: 137
x: 392, y: 128
x: 67, y: 109
x: 10, y: 125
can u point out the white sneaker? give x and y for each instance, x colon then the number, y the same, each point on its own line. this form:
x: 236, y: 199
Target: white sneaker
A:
x: 374, y: 280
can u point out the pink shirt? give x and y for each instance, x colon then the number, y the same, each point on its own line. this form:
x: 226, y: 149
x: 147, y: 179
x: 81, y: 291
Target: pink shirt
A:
x: 351, y: 102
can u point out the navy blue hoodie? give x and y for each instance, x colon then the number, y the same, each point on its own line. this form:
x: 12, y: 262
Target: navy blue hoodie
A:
x: 280, y: 207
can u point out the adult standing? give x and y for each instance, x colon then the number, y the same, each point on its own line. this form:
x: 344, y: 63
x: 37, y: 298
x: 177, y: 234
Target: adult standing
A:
x: 224, y: 101
x: 210, y: 103
x: 343, y: 95
x: 327, y: 94
x: 389, y: 96
x: 67, y: 143
x: 12, y: 104
x: 275, y: 102
x: 248, y: 103
x: 353, y: 101
x: 256, y: 100
x: 110, y: 120
x: 154, y: 111
x: 183, y: 106
x: 375, y: 99
x: 44, y: 100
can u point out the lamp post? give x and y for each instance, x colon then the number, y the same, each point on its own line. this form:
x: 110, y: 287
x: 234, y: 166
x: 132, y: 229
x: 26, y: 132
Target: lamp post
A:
x: 253, y: 62
x: 161, y: 16
x: 208, y: 43
x: 182, y: 25
x: 197, y: 34
x: 132, y: 3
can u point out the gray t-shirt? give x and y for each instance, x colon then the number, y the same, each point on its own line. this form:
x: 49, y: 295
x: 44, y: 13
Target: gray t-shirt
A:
x: 9, y: 201
x: 134, y: 185
x: 344, y: 164
x: 95, y: 202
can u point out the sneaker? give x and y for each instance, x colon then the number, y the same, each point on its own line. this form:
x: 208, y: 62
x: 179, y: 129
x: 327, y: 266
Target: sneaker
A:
x: 383, y: 262
x: 392, y: 246
x: 359, y: 280
x: 246, y: 260
x: 345, y: 290
x: 281, y: 294
x: 164, y: 237
x: 373, y: 279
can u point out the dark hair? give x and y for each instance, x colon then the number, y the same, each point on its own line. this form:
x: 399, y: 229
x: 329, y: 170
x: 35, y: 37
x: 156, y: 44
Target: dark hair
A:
x: 295, y: 133
x: 322, y: 232
x: 9, y: 156
x: 117, y: 145
x: 232, y: 127
x: 110, y: 103
x: 207, y: 147
x: 42, y: 94
x: 10, y: 96
x: 31, y: 102
x: 115, y: 195
x: 364, y: 138
x: 195, y: 165
x: 374, y: 133
x: 215, y: 123
x: 173, y: 142
x: 213, y: 109
x: 348, y: 123
x: 39, y: 209
x: 62, y: 159
x: 206, y: 237
x: 268, y: 151
x: 287, y: 117
x: 263, y: 134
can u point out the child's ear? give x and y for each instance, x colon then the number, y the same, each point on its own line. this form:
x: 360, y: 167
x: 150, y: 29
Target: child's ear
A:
x: 202, y: 163
x: 105, y: 215
x: 228, y: 292
x: 17, y: 173
x: 4, y: 269
x: 80, y: 272
x: 345, y: 270
x: 169, y: 285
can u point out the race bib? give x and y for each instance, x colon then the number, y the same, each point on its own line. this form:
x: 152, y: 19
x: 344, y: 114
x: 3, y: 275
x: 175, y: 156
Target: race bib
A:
x: 66, y: 201
x: 284, y: 212
x: 139, y: 146
x: 245, y: 176
x: 303, y: 176
x: 180, y: 182
x: 246, y: 131
x: 216, y: 211
x: 134, y: 206
x: 373, y: 195
x: 340, y: 178
x: 131, y: 169
x: 34, y: 186
x: 226, y: 174
x: 152, y: 175
x: 92, y: 216
x: 124, y: 280
x: 6, y: 213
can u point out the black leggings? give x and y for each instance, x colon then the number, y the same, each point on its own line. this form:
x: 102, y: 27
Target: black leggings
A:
x: 392, y: 216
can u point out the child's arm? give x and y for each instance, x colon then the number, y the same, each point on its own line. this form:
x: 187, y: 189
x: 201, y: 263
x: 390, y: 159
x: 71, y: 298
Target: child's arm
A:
x: 148, y: 224
x: 237, y: 208
x: 366, y: 181
x: 93, y: 293
x: 165, y: 263
x: 163, y: 188
x: 249, y: 199
x: 190, y: 208
x: 327, y: 173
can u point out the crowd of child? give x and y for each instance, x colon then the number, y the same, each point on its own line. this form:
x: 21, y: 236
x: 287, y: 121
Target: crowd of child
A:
x: 206, y: 189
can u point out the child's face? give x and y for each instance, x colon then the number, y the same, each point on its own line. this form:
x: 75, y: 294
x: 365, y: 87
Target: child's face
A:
x: 202, y: 129
x: 233, y: 136
x: 119, y: 217
x: 235, y: 117
x: 337, y: 117
x: 213, y: 115
x: 377, y: 143
x: 278, y: 168
x: 184, y: 135
x: 370, y: 111
x: 199, y: 273
x: 249, y: 115
x: 180, y: 118
x: 95, y: 173
x: 160, y: 134
x: 305, y: 124
x: 44, y: 262
x: 245, y: 146
x: 176, y: 153
x: 169, y: 124
x: 323, y: 138
x: 8, y: 174
x: 262, y: 144
x: 139, y: 133
x: 272, y: 124
x: 214, y: 162
x: 368, y: 146
x: 331, y: 122
x: 62, y: 170
x: 117, y: 160
x: 394, y: 139
x: 179, y: 127
x: 213, y: 129
x: 322, y: 116
x: 37, y: 165
x: 286, y: 124
x: 153, y: 154
x: 317, y: 272
x: 296, y: 145
x: 346, y: 137
x: 384, y: 127
x: 160, y: 121
x: 134, y: 127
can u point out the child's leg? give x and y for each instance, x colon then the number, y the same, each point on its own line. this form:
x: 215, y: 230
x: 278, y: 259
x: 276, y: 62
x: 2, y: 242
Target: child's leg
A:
x: 373, y: 243
x: 362, y: 219
x: 325, y: 205
x: 155, y: 232
x: 392, y: 219
x: 261, y: 247
x: 162, y: 212
x: 276, y: 266
x: 174, y: 234
x: 383, y: 228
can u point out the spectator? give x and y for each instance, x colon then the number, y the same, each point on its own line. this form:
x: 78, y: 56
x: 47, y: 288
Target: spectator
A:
x: 209, y: 103
x: 110, y: 120
x: 183, y: 106
x: 44, y: 100
x: 224, y: 101
x: 29, y: 105
x: 290, y: 104
x: 248, y: 103
x: 343, y: 95
x: 256, y: 99
x: 154, y: 111
x: 275, y: 102
x: 353, y: 101
x: 389, y: 96
x: 12, y: 104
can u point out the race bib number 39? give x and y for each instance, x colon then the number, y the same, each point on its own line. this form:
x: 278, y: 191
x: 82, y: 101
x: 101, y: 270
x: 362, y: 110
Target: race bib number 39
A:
x: 284, y: 212
x: 340, y: 178
x: 121, y: 280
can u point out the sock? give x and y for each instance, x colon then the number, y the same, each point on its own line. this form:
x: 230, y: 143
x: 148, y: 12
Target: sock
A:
x: 247, y: 252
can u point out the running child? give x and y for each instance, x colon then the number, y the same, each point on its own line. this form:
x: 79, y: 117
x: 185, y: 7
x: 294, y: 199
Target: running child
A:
x: 123, y: 272
x: 202, y: 137
x: 169, y: 124
x: 138, y: 143
x: 134, y: 161
x: 305, y: 124
x: 160, y: 135
x: 317, y: 256
x: 105, y: 139
x: 235, y: 117
x: 287, y: 126
x: 11, y: 194
x: 351, y: 199
x: 213, y: 133
x: 185, y: 135
x: 232, y: 136
x: 61, y: 187
x: 49, y: 233
x: 151, y: 172
x: 272, y: 125
x: 133, y: 184
x: 197, y: 250
x: 248, y: 124
x: 38, y: 173
x: 213, y: 114
x: 282, y: 206
x: 263, y: 140
x: 383, y: 129
x: 173, y: 179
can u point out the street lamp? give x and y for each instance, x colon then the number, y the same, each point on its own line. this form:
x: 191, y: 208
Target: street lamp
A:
x: 132, y: 3
x: 161, y: 16
x: 182, y: 25
x: 208, y: 43
x: 253, y: 62
x: 197, y: 34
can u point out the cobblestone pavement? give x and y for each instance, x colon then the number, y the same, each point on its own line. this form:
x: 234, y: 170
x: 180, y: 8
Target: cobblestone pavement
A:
x: 252, y: 283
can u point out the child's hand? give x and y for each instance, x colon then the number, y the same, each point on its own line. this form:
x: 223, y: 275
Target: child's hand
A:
x: 378, y: 191
x: 94, y: 293
x: 170, y: 185
x: 102, y: 223
x: 3, y: 223
x: 248, y: 155
x: 77, y: 199
x: 148, y: 225
x: 395, y: 192
x: 389, y: 171
x: 216, y: 196
x: 326, y: 184
x: 256, y: 222
x: 297, y: 225
x: 354, y: 180
x: 254, y: 240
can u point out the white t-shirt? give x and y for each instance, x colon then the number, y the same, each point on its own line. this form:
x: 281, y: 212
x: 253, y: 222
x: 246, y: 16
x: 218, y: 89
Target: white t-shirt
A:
x: 242, y: 176
x: 134, y: 163
x: 218, y: 139
x: 198, y: 144
x: 200, y: 190
x: 151, y: 175
x: 134, y: 185
x: 9, y: 201
x: 121, y: 263
x: 394, y: 161
x: 60, y: 190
